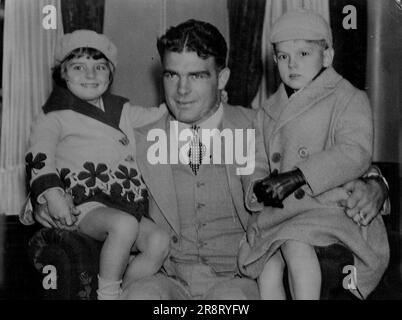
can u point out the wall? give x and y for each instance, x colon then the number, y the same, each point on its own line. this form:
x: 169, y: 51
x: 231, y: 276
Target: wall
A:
x: 134, y: 25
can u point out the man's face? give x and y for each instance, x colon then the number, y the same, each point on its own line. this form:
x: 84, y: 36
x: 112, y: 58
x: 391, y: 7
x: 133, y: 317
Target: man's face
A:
x: 299, y: 61
x: 192, y: 85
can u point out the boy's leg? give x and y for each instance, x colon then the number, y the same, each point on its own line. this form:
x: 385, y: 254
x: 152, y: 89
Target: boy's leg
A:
x: 153, y: 244
x: 304, y: 270
x: 270, y: 280
x: 119, y: 231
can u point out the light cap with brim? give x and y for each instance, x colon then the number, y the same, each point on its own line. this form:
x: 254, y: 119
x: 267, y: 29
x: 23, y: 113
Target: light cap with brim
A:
x: 301, y: 25
x: 85, y: 39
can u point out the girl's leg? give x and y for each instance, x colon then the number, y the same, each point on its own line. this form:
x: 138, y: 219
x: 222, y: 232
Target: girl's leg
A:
x: 153, y: 244
x: 270, y: 280
x: 119, y: 231
x: 304, y: 270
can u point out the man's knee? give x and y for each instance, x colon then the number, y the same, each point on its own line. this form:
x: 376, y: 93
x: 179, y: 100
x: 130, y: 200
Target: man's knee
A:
x: 236, y: 289
x: 149, y: 288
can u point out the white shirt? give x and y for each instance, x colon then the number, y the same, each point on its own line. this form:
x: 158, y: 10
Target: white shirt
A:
x: 184, y: 137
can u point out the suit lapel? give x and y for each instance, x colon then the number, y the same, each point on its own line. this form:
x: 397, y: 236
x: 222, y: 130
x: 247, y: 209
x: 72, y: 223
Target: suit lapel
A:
x: 231, y: 121
x: 159, y: 177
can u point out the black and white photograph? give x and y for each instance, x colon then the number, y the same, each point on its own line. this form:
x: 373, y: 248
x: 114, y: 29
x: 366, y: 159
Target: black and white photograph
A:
x: 200, y: 150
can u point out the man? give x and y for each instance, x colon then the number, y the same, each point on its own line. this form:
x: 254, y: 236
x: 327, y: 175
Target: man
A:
x: 204, y: 212
x: 202, y: 205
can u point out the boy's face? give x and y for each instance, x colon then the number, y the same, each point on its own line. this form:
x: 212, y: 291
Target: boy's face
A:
x: 299, y: 61
x: 192, y: 85
x: 87, y: 78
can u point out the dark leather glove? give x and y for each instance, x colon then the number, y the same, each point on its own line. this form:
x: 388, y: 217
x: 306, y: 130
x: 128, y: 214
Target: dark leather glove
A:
x: 273, y: 189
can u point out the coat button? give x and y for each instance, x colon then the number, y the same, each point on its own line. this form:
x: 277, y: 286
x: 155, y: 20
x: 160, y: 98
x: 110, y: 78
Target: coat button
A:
x: 124, y: 141
x: 130, y: 158
x: 276, y: 157
x: 299, y: 194
x: 303, y: 152
x: 174, y: 239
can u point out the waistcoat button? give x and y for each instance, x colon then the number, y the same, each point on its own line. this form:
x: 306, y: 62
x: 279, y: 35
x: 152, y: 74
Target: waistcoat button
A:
x: 174, y: 239
x: 129, y: 158
x: 200, y: 205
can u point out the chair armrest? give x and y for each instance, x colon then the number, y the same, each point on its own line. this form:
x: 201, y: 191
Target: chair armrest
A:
x: 69, y: 262
x: 333, y: 259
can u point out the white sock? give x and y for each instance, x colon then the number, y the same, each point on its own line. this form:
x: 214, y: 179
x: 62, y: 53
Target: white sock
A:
x: 108, y: 289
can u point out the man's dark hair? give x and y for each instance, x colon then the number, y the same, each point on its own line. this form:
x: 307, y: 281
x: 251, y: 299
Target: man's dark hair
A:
x: 195, y: 36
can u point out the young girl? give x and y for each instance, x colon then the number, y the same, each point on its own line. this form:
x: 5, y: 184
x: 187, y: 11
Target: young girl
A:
x: 83, y: 144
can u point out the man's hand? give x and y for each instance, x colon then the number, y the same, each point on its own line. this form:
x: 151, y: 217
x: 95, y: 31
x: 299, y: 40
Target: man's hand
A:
x: 367, y: 196
x: 58, y: 212
x: 273, y: 189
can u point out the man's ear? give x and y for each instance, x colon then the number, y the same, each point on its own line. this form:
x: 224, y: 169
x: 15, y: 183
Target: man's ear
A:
x: 275, y: 59
x: 328, y: 57
x: 223, y: 78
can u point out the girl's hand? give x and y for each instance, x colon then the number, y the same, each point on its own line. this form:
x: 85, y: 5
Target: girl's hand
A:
x: 60, y: 208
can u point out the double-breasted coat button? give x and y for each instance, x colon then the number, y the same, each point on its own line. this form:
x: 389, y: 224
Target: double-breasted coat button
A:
x: 299, y: 193
x: 175, y: 239
x: 303, y: 152
x: 124, y: 141
x: 276, y: 157
x: 130, y: 158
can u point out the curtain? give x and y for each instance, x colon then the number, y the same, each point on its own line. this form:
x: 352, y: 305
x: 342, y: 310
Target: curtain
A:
x: 273, y: 10
x: 384, y: 74
x: 350, y: 60
x: 246, y: 18
x: 83, y: 14
x: 27, y: 62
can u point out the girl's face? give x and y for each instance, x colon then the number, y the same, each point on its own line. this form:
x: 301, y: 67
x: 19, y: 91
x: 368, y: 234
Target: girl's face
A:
x: 87, y: 78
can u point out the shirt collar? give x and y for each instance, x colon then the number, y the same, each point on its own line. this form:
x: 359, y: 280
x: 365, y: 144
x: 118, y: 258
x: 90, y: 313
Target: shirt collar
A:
x: 213, y: 122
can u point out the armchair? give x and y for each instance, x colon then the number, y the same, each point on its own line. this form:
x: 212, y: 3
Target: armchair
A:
x: 68, y: 261
x: 75, y: 258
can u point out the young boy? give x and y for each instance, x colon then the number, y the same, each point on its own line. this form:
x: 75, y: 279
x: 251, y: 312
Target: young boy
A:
x: 83, y: 144
x: 318, y: 134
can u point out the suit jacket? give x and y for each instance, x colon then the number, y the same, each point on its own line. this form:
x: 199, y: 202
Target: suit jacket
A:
x: 163, y: 207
